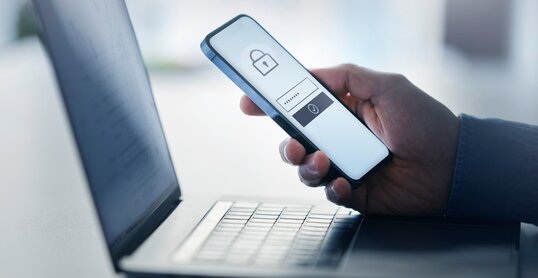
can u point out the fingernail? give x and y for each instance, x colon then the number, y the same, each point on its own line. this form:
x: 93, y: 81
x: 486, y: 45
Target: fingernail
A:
x: 311, y: 166
x: 332, y: 195
x: 284, y: 152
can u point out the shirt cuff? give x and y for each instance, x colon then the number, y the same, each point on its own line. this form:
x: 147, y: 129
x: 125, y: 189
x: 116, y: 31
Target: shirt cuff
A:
x: 496, y: 171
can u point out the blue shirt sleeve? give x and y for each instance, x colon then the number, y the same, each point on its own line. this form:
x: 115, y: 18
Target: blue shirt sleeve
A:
x: 496, y: 171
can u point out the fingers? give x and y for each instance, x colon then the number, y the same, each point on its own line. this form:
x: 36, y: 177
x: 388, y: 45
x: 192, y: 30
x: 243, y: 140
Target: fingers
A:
x: 313, y: 168
x: 360, y: 82
x: 339, y: 192
x: 248, y: 107
x: 292, y: 152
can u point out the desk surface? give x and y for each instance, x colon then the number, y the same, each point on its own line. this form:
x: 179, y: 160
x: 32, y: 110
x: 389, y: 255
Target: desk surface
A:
x: 48, y: 227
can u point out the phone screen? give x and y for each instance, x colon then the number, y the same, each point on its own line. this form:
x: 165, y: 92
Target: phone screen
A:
x: 299, y: 97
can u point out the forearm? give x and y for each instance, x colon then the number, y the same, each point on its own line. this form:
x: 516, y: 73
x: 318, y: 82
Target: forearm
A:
x: 496, y: 171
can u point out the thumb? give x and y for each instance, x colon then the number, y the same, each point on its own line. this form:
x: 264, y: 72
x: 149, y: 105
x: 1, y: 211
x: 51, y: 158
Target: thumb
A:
x: 339, y: 192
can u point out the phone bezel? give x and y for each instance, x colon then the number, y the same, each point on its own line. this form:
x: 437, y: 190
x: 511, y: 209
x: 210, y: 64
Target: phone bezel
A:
x: 276, y: 115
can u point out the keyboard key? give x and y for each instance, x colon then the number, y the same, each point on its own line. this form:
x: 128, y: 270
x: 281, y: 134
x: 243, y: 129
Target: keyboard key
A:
x: 228, y: 230
x: 234, y: 221
x: 313, y: 228
x: 285, y: 229
x: 274, y: 249
x: 275, y: 236
x: 292, y: 221
x: 262, y: 220
x: 309, y: 240
x: 260, y: 225
x: 272, y: 205
x: 288, y: 225
x: 268, y: 212
x: 274, y: 240
x: 318, y: 220
x: 280, y: 248
x: 255, y: 231
x: 244, y: 247
x: 293, y: 216
x: 282, y: 241
x: 320, y: 216
x: 225, y: 234
x: 257, y: 228
x: 230, y: 225
x: 280, y: 236
x: 295, y: 213
x: 310, y: 245
x: 238, y: 212
x: 324, y: 210
x: 245, y: 205
x: 311, y: 233
x: 297, y: 207
x: 242, y: 210
x: 315, y: 224
x: 220, y: 235
x: 265, y: 216
x: 236, y: 216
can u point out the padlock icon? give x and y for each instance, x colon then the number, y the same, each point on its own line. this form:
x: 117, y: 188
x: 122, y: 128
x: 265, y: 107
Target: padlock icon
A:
x: 262, y: 61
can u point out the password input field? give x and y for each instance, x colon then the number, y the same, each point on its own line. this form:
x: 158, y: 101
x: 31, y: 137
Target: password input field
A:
x: 297, y: 94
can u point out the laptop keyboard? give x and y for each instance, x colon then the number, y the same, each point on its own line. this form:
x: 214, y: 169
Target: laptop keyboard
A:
x: 276, y: 234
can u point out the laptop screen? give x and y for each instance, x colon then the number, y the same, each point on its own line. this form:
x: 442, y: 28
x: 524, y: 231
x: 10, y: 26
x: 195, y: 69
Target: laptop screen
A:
x: 109, y: 102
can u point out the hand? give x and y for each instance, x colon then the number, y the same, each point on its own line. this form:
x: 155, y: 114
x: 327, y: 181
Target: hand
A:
x: 421, y: 133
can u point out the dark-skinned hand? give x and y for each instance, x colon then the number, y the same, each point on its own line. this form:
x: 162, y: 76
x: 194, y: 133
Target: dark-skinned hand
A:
x: 421, y: 133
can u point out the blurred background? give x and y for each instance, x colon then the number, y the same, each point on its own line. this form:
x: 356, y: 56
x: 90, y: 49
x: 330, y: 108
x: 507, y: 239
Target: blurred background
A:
x: 478, y: 57
x: 468, y: 54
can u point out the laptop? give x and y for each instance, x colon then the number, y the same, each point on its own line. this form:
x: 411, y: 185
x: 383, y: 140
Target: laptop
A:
x: 151, y: 230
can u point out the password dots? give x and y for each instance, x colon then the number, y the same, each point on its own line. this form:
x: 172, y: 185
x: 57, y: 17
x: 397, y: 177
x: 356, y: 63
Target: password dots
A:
x: 291, y: 98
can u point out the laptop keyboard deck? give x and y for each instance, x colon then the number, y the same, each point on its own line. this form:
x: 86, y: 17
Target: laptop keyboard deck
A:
x: 277, y: 234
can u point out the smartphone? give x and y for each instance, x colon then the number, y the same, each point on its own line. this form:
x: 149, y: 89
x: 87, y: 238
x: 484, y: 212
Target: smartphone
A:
x: 299, y: 103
